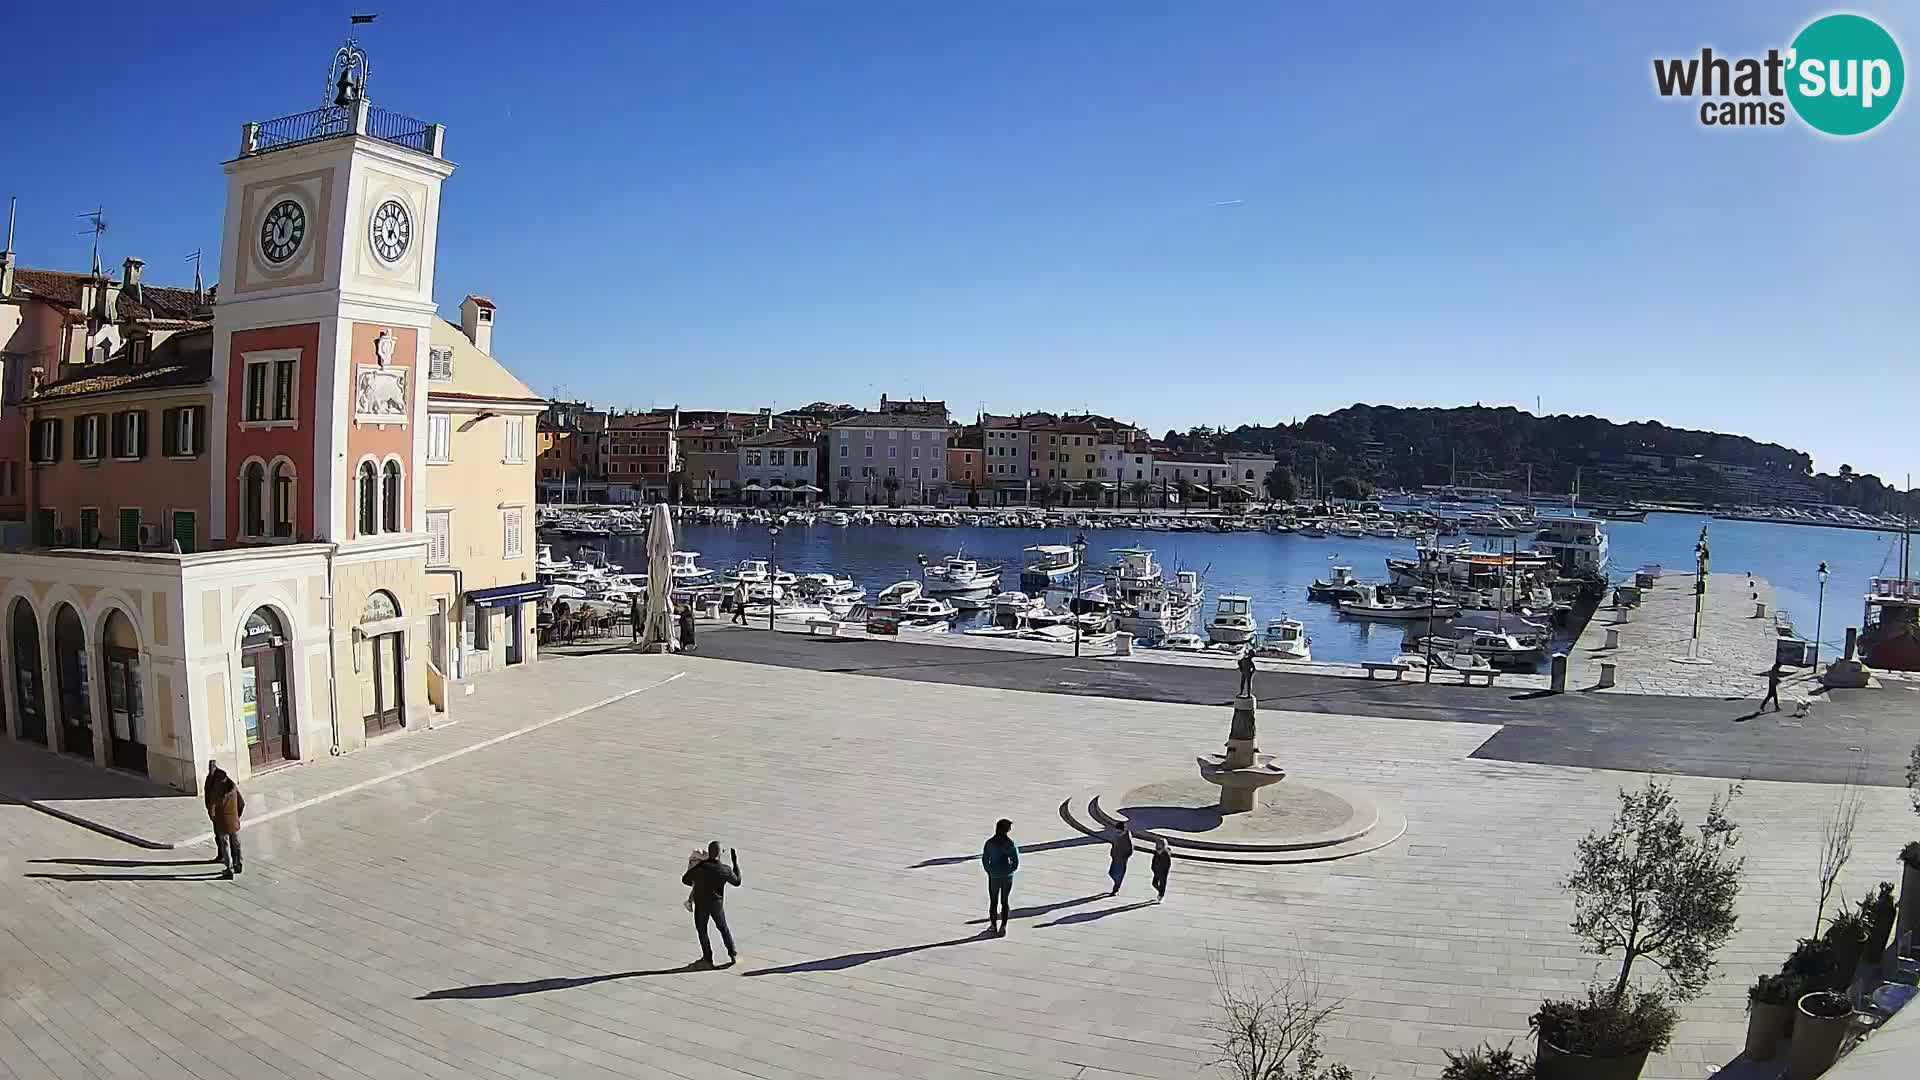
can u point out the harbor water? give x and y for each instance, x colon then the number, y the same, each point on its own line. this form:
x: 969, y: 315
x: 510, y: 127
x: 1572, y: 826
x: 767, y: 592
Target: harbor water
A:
x: 1276, y: 568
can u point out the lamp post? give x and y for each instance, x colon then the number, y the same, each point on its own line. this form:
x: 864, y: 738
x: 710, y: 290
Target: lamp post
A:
x: 1079, y: 564
x: 773, y: 540
x: 1819, y: 619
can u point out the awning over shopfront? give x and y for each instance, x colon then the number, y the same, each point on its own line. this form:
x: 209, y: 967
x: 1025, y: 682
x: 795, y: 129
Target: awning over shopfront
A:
x: 518, y: 593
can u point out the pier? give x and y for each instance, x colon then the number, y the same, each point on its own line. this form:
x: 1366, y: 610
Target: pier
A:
x: 1640, y: 643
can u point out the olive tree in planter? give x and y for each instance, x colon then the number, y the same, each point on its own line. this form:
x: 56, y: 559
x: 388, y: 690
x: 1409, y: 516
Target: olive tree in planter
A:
x: 1648, y: 888
x: 1271, y: 1030
x: 1770, y: 1003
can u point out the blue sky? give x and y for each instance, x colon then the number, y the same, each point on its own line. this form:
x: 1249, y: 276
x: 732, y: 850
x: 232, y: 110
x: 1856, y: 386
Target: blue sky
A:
x: 1179, y: 213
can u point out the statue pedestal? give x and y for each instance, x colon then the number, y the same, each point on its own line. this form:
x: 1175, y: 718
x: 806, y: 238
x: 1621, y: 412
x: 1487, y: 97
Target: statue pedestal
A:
x: 1243, y: 770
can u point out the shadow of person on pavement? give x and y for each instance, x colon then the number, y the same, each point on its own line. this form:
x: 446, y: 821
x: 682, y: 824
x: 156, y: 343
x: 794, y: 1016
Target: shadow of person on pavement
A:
x: 1025, y: 849
x: 1042, y: 909
x: 841, y: 963
x: 127, y: 862
x: 211, y: 875
x: 541, y: 986
x: 1089, y: 916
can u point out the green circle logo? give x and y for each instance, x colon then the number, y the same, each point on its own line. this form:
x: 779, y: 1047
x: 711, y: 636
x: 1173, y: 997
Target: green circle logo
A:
x: 1846, y: 74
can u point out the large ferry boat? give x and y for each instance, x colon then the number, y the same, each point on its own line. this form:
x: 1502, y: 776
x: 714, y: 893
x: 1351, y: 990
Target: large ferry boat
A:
x: 1578, y: 547
x: 1890, y: 629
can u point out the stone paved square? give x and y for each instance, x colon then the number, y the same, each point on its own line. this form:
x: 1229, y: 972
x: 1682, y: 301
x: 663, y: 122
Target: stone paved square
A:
x: 516, y: 912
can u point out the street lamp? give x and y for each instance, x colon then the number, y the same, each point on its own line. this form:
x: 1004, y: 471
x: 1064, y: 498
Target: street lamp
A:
x: 1073, y: 606
x: 1819, y: 619
x: 773, y: 539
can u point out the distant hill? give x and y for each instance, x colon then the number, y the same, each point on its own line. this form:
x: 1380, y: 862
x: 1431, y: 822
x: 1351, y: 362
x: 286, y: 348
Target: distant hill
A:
x: 1388, y: 446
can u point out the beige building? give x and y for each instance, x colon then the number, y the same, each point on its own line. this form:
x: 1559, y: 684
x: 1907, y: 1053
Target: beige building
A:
x: 480, y: 484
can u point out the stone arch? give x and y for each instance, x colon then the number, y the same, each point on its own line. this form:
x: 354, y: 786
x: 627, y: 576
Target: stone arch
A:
x: 265, y: 716
x: 120, y: 664
x: 74, y: 684
x: 26, y: 669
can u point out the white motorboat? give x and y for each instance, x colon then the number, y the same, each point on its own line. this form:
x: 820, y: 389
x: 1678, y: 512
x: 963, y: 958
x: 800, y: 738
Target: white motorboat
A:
x: 822, y: 584
x: 1498, y: 649
x: 899, y: 593
x: 1015, y: 603
x: 1184, y: 643
x: 1378, y: 603
x: 1048, y: 564
x: 925, y: 611
x: 685, y: 571
x: 956, y: 574
x: 839, y: 518
x: 840, y: 603
x: 1067, y: 635
x: 1232, y: 620
x: 802, y: 611
x: 1286, y: 639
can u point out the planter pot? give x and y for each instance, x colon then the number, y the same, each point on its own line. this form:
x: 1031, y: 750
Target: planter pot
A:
x: 1877, y: 939
x: 1909, y: 909
x: 1846, y: 963
x: 1766, y: 1026
x: 1554, y: 1063
x: 1816, y: 1042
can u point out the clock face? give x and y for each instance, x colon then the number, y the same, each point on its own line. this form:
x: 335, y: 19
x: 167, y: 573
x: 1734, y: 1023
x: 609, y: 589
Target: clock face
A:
x: 392, y: 231
x: 282, y: 231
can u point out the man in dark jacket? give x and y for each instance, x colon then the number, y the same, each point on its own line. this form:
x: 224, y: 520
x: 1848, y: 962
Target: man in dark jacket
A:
x: 1000, y: 857
x: 225, y: 804
x: 709, y: 880
x: 686, y: 627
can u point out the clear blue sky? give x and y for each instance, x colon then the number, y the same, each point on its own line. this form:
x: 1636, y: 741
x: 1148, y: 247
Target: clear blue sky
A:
x: 1180, y: 213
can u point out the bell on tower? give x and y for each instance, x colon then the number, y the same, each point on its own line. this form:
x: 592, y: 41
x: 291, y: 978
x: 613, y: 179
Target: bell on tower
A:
x: 349, y: 74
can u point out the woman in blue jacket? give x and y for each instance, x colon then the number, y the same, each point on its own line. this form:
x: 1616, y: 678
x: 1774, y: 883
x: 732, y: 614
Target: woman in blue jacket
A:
x: 1000, y: 857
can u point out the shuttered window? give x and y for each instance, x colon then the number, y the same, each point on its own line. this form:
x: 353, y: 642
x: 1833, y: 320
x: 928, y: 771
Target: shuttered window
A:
x: 439, y: 540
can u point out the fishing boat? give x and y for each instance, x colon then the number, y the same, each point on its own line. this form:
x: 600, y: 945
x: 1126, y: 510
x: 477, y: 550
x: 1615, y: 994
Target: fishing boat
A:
x: 925, y: 612
x: 1578, y: 548
x: 1048, y: 565
x: 685, y: 571
x: 1232, y: 620
x: 1285, y: 639
x: 1499, y: 649
x: 955, y: 575
x: 1377, y: 603
x: 1890, y: 629
x: 1344, y: 586
x: 899, y: 593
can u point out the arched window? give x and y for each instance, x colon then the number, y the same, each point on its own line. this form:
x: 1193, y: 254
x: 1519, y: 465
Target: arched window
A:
x: 253, y: 484
x: 369, y: 498
x: 380, y: 607
x: 390, y: 497
x: 283, y: 498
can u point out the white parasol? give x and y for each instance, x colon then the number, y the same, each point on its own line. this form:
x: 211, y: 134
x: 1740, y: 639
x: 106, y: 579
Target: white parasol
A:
x: 659, y: 633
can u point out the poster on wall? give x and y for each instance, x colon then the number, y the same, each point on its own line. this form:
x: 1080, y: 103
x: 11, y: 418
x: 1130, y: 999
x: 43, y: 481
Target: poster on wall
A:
x: 250, y: 705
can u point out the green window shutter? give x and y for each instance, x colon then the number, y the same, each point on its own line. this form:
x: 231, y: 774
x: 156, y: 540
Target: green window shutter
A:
x: 130, y: 529
x: 43, y: 528
x: 89, y: 528
x: 183, y: 530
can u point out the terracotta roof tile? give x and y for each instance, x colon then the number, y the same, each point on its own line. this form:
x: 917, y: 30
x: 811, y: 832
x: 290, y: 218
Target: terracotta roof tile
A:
x: 185, y: 359
x: 62, y: 288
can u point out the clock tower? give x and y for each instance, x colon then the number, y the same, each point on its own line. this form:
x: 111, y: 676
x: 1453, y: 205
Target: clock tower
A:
x: 317, y: 425
x: 324, y: 311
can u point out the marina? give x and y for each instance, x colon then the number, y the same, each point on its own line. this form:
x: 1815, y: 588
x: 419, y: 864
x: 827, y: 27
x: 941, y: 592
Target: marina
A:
x: 1172, y: 570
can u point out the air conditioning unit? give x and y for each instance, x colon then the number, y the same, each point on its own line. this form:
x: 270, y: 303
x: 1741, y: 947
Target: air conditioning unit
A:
x: 150, y: 536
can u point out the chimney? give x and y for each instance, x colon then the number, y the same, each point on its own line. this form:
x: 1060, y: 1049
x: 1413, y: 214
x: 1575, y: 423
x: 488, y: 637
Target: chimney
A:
x: 476, y: 321
x: 130, y: 271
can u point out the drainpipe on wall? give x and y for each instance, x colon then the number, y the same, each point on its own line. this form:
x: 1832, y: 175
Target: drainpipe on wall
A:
x: 333, y: 684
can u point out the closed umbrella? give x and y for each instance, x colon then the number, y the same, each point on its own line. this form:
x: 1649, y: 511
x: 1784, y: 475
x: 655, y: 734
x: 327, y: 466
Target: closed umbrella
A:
x: 659, y: 633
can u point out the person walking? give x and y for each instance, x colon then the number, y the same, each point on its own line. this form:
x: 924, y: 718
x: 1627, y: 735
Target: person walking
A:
x: 709, y: 879
x: 1773, y: 689
x: 225, y: 804
x: 1000, y: 857
x: 740, y: 604
x: 1122, y: 850
x: 686, y: 627
x: 1162, y: 866
x: 636, y: 615
x: 1246, y: 672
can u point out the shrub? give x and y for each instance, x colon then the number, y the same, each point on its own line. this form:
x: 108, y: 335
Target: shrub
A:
x: 1606, y: 1024
x: 1775, y: 990
x: 1911, y: 853
x: 1486, y: 1063
x: 1812, y: 961
x: 1847, y: 928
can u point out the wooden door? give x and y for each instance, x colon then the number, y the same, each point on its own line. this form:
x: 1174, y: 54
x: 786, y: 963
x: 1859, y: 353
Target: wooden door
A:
x: 389, y: 693
x: 265, y: 714
x: 125, y: 711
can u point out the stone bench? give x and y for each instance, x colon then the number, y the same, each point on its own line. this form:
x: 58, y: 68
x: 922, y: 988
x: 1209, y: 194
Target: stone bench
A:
x: 1373, y: 667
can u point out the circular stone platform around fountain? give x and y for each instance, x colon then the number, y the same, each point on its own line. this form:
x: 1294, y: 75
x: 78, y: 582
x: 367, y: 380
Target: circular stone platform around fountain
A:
x: 1297, y: 820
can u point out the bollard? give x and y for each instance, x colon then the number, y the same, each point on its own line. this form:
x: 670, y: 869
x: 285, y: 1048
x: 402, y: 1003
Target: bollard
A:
x: 1853, y: 638
x: 1123, y: 644
x: 1560, y: 672
x: 1606, y: 673
x: 1613, y: 639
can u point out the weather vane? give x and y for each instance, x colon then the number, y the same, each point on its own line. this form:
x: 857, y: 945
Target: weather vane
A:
x: 347, y: 76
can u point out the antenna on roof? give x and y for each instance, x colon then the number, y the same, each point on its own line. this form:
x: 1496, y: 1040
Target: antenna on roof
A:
x: 96, y: 224
x: 199, y: 293
x: 12, y: 201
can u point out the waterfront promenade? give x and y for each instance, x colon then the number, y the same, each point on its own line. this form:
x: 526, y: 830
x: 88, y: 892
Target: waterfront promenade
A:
x: 514, y: 911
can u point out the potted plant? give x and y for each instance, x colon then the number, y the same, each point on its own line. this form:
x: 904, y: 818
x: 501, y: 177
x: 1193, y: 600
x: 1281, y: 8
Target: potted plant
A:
x: 1847, y: 933
x: 1812, y: 962
x: 1649, y: 887
x: 1878, y: 908
x: 1486, y: 1063
x: 1822, y: 1023
x: 1603, y: 1036
x: 1909, y: 918
x: 1770, y: 1006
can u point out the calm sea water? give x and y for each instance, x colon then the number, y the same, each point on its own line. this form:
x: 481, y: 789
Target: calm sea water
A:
x: 1275, y: 569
